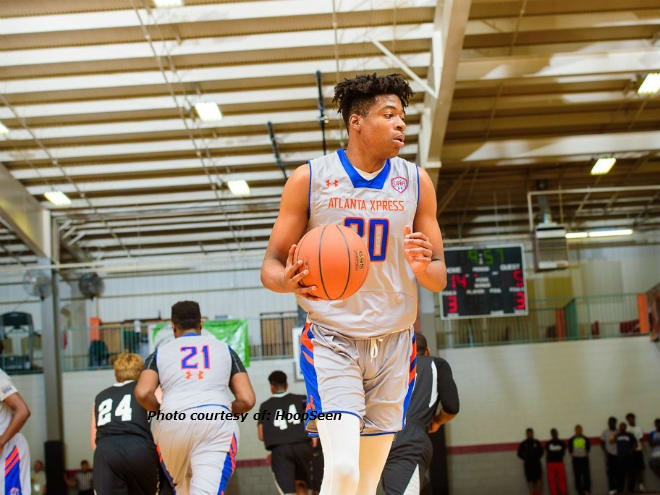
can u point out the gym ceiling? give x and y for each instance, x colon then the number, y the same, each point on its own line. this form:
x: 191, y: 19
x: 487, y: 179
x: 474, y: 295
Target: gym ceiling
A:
x: 98, y: 98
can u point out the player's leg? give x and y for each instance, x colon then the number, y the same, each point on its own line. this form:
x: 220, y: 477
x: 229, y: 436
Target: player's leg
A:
x: 334, y: 384
x: 400, y: 476
x: 139, y: 466
x: 105, y: 481
x: 341, y: 448
x: 302, y: 456
x: 389, y: 365
x: 16, y: 457
x: 283, y: 467
x: 213, y: 456
x: 174, y: 445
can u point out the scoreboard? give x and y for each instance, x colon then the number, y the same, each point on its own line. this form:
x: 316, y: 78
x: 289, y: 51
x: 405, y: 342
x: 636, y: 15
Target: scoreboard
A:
x: 484, y: 282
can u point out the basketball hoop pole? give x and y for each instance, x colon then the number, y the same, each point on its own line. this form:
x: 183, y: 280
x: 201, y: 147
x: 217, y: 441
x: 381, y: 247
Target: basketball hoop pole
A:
x: 323, y: 119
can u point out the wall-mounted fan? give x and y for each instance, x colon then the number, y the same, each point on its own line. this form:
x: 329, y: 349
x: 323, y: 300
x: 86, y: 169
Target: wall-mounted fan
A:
x: 91, y: 285
x: 37, y: 283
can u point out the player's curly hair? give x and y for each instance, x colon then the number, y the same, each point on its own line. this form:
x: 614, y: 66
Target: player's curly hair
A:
x: 127, y: 366
x: 358, y: 94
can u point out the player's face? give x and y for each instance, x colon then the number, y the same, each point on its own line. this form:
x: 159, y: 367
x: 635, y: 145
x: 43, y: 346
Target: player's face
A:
x: 382, y: 130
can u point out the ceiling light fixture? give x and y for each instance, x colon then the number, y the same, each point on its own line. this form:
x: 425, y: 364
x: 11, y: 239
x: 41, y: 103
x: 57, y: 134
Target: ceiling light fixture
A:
x: 167, y: 4
x: 610, y: 232
x: 3, y: 129
x: 58, y: 198
x: 603, y: 165
x: 576, y: 235
x: 208, y: 111
x: 239, y: 187
x: 650, y: 85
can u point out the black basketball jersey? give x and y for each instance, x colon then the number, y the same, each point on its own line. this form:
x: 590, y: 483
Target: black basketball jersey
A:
x: 282, y: 419
x: 434, y: 383
x: 118, y: 413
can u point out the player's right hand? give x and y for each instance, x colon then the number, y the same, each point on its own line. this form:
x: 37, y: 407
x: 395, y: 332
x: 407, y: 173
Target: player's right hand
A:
x: 293, y: 275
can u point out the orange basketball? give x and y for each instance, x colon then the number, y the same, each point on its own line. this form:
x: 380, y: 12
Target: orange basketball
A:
x: 337, y: 260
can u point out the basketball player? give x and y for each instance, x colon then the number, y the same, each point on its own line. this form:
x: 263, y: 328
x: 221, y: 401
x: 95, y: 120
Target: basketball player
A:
x: 196, y: 433
x: 281, y: 429
x: 411, y: 452
x: 125, y: 458
x: 14, y: 412
x: 358, y: 354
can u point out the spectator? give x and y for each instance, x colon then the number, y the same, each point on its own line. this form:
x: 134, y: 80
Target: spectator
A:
x: 638, y: 455
x: 654, y: 442
x: 555, y: 450
x: 83, y: 479
x: 579, y: 448
x: 531, y: 451
x: 609, y: 449
x: 38, y: 479
x: 626, y: 443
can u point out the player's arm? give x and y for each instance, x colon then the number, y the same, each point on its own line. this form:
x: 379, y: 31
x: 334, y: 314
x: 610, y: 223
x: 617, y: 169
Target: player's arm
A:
x: 423, y: 246
x: 240, y: 385
x: 260, y: 432
x: 21, y: 412
x: 448, y: 395
x: 145, y: 389
x: 278, y: 273
x: 93, y: 428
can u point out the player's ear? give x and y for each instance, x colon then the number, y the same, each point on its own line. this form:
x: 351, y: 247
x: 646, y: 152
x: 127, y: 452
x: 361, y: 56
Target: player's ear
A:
x: 354, y: 122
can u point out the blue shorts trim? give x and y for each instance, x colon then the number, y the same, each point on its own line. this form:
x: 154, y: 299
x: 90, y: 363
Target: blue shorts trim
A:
x: 378, y: 434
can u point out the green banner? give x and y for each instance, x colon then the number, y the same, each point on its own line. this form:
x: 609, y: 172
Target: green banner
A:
x: 232, y: 332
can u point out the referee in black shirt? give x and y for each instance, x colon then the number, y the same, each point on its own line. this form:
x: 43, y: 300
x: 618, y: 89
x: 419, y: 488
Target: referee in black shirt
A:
x: 411, y: 452
x: 282, y: 429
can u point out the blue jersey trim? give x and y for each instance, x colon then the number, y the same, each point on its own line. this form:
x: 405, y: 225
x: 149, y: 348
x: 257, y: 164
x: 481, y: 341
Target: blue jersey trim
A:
x: 418, y: 191
x: 358, y: 181
x: 309, y: 192
x: 192, y: 334
x: 206, y: 405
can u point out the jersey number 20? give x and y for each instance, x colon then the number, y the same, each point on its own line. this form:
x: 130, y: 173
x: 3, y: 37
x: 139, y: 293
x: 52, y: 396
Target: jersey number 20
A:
x: 379, y: 229
x: 123, y: 410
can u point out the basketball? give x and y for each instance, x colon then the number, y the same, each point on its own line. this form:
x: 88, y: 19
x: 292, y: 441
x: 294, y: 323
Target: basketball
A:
x: 337, y: 260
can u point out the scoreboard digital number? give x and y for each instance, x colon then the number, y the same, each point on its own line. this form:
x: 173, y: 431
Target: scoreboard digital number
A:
x: 484, y: 282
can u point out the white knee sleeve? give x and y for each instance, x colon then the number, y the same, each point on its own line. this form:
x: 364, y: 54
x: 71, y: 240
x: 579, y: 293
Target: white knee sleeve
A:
x: 340, y: 440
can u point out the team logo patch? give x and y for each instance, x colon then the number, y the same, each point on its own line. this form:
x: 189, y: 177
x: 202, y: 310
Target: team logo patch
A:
x: 15, y: 491
x: 400, y: 184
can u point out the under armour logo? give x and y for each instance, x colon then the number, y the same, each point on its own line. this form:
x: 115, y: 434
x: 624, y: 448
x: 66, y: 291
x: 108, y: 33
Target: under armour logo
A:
x: 190, y: 374
x: 310, y: 404
x: 329, y: 183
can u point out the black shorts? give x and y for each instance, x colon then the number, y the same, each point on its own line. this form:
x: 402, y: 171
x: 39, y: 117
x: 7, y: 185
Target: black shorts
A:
x: 638, y: 460
x: 412, y: 449
x: 316, y: 472
x: 290, y: 462
x: 125, y: 464
x: 533, y: 471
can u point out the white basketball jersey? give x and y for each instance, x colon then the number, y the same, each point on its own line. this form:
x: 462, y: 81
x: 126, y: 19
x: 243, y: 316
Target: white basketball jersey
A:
x: 194, y: 371
x: 378, y: 210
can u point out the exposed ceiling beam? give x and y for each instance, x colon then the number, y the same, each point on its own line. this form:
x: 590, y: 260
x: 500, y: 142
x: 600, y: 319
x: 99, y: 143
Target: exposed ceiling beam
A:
x: 519, y: 151
x: 21, y: 212
x: 205, y: 46
x: 559, y: 65
x: 446, y: 45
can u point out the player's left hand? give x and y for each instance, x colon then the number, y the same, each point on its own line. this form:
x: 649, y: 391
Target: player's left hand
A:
x: 418, y: 249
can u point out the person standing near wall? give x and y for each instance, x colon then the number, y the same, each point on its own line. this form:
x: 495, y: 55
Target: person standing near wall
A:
x: 555, y: 450
x: 626, y: 443
x: 14, y: 412
x: 609, y: 449
x: 579, y: 448
x: 530, y: 451
x: 654, y: 442
x: 638, y: 455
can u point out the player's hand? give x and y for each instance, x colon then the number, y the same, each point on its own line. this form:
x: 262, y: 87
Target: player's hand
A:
x: 434, y: 426
x: 293, y: 275
x: 417, y: 249
x: 268, y: 459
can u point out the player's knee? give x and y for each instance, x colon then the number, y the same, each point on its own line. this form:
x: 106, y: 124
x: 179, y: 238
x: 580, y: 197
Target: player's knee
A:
x: 345, y: 474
